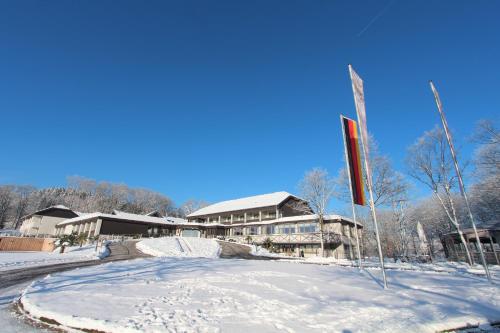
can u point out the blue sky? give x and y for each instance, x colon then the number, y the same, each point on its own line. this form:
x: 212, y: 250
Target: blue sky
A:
x: 221, y: 99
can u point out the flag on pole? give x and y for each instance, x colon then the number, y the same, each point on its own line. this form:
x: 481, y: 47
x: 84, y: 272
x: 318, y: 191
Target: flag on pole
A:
x: 354, y: 160
x: 459, y: 176
x: 359, y: 101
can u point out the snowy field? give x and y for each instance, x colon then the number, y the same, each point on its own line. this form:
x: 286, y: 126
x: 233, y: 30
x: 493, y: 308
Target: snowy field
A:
x: 185, y: 294
x: 15, y: 260
x: 180, y: 247
x: 438, y: 266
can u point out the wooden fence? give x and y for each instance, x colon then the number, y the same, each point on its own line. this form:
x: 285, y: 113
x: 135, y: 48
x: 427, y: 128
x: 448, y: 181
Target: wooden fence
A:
x: 26, y: 244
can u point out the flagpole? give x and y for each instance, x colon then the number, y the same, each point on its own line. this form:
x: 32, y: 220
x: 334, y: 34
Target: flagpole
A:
x: 352, y: 195
x: 459, y: 176
x: 368, y: 176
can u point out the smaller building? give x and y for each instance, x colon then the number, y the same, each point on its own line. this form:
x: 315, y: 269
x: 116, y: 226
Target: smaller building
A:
x: 43, y: 222
x: 489, y: 236
x: 124, y: 224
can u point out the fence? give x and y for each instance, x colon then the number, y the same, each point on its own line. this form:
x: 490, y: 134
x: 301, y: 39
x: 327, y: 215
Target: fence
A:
x: 26, y: 244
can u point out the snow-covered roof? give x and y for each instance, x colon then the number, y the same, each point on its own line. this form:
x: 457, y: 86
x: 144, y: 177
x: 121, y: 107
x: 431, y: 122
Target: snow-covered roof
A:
x: 154, y: 213
x: 257, y: 201
x: 118, y: 215
x: 59, y: 207
x: 62, y: 207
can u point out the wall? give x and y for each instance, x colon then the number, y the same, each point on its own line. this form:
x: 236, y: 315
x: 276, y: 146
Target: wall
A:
x: 40, y: 225
x: 26, y: 244
x: 122, y: 228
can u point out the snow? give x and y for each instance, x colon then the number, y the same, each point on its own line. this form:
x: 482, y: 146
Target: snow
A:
x: 11, y: 321
x: 173, y: 294
x: 126, y: 217
x: 15, y: 260
x: 438, y: 266
x: 180, y: 247
x: 257, y: 201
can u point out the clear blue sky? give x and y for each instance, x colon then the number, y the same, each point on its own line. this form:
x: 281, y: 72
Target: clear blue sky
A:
x: 221, y: 99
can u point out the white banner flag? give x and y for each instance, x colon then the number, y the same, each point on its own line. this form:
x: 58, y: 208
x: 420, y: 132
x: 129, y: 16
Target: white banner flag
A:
x: 422, y: 238
x: 359, y: 101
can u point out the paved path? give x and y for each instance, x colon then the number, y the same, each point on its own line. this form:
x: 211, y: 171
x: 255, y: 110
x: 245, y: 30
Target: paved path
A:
x: 238, y: 251
x: 118, y: 251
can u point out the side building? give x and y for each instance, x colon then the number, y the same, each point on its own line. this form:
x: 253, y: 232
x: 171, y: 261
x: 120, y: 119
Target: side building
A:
x: 43, y: 222
x: 284, y: 219
x: 126, y: 224
x: 489, y: 236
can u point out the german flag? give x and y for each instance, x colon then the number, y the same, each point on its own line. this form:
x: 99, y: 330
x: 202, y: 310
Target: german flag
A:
x: 354, y: 160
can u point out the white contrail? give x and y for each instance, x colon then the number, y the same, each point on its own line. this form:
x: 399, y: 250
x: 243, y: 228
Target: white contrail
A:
x: 376, y: 17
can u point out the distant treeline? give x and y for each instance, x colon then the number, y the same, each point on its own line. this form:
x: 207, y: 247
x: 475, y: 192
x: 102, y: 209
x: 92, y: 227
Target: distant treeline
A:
x: 83, y: 195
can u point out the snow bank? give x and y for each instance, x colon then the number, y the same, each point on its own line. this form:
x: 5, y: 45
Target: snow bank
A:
x: 205, y: 295
x: 15, y: 260
x: 180, y: 247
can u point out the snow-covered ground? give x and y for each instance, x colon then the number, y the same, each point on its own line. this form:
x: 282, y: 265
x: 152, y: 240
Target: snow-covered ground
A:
x: 180, y: 247
x: 438, y: 266
x: 15, y: 260
x: 172, y: 294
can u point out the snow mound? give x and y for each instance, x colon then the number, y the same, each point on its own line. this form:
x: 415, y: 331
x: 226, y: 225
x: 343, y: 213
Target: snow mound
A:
x: 180, y: 247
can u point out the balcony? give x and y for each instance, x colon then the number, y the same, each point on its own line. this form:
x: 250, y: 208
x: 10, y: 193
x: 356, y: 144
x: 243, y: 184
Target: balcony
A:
x: 304, y: 238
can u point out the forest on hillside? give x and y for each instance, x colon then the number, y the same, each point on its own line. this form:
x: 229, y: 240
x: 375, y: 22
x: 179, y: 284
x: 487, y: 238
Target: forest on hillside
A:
x: 82, y: 195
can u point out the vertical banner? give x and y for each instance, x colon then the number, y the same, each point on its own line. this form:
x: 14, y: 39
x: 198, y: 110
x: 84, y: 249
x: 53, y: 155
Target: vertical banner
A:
x: 459, y: 176
x: 359, y: 100
x: 423, y: 245
x: 354, y: 160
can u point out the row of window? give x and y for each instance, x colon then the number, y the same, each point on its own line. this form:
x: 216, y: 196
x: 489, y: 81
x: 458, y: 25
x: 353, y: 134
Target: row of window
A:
x: 277, y: 229
x: 241, y: 217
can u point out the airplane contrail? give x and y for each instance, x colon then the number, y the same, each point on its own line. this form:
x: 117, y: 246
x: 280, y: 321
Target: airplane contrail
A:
x: 376, y: 17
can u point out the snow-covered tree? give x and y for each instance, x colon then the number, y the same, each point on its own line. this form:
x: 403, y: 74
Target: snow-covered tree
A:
x: 429, y: 162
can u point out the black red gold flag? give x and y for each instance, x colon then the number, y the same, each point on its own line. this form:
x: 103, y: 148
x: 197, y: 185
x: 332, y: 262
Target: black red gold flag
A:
x: 354, y: 160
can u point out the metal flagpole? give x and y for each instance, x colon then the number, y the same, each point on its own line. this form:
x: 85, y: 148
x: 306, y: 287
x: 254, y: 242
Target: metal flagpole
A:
x: 357, y: 90
x: 352, y: 195
x: 459, y: 176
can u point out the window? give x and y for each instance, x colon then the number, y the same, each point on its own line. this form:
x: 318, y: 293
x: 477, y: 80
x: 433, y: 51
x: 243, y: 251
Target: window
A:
x: 308, y: 227
x: 270, y: 229
x: 254, y: 230
x: 252, y: 216
x: 287, y: 229
x: 269, y: 215
x: 345, y: 230
x: 238, y: 231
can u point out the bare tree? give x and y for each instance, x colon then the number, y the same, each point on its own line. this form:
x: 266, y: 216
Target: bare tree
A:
x: 430, y: 163
x: 485, y: 193
x: 23, y: 199
x: 191, y: 206
x: 6, y: 198
x: 317, y: 188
